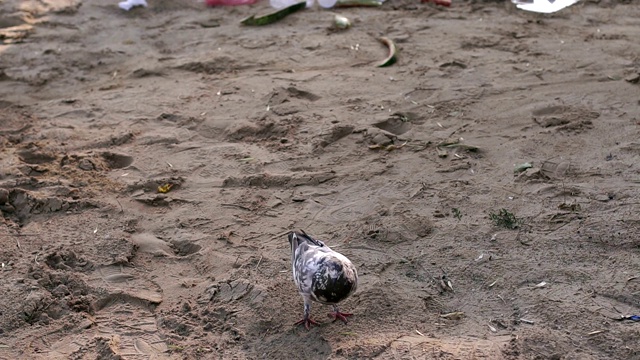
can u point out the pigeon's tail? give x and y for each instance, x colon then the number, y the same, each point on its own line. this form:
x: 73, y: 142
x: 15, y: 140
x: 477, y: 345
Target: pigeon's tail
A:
x: 299, y: 237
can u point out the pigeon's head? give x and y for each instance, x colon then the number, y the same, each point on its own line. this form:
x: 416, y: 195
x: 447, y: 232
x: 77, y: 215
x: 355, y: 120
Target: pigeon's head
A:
x: 299, y: 237
x: 293, y: 241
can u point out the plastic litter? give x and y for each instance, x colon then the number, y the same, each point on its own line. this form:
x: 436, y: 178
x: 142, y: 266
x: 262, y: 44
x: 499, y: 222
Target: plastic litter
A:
x: 358, y: 3
x: 341, y: 22
x: 127, y: 5
x: 543, y: 6
x: 273, y: 17
x: 631, y: 317
x: 281, y: 4
x: 229, y: 2
x: 446, y: 3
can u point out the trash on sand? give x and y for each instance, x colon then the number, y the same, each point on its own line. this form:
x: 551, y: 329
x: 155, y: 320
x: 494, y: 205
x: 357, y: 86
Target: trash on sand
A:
x: 390, y: 147
x: 229, y: 2
x: 391, y: 57
x: 570, y: 207
x: 281, y: 4
x: 455, y: 143
x: 630, y: 317
x: 127, y: 5
x: 445, y: 283
x: 543, y: 6
x: 442, y: 153
x: 456, y: 315
x: 273, y: 17
x: 163, y: 189
x: 341, y: 22
x: 446, y: 3
x: 484, y: 257
x: 354, y: 3
x: 453, y: 63
x: 542, y: 284
x: 522, y: 167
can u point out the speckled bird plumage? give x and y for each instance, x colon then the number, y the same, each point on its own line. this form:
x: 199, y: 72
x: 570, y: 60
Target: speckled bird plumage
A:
x: 321, y: 274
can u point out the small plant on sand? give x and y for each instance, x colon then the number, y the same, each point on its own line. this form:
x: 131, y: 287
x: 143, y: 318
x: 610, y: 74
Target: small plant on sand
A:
x: 456, y: 213
x: 506, y: 219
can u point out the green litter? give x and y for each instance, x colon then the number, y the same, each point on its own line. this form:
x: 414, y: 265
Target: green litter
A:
x: 274, y: 16
x: 354, y: 3
x: 391, y: 57
x: 522, y: 167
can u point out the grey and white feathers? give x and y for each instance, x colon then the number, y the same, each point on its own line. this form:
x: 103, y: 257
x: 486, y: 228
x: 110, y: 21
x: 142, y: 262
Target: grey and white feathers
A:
x: 321, y: 274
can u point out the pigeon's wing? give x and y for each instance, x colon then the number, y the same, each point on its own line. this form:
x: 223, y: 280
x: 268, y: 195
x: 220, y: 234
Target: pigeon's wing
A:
x: 304, y: 267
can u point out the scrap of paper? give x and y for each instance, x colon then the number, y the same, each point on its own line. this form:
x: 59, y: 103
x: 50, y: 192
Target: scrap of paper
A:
x: 543, y: 6
x: 127, y: 5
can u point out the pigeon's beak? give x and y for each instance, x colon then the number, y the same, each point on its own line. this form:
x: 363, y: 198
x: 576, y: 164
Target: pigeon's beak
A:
x: 293, y: 241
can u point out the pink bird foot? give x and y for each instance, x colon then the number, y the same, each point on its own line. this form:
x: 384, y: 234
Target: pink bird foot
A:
x: 307, y: 323
x: 339, y: 315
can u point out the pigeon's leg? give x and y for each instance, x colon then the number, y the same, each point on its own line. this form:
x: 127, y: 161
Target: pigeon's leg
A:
x: 336, y: 314
x: 306, y: 320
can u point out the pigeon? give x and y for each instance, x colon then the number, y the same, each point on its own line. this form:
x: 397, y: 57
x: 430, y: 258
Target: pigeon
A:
x: 321, y: 275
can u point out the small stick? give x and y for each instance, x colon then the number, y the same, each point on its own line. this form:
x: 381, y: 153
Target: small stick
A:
x: 19, y: 247
x: 279, y: 235
x: 530, y: 322
x: 238, y: 206
x: 36, y: 259
x: 252, y: 237
x: 121, y: 208
x: 259, y: 261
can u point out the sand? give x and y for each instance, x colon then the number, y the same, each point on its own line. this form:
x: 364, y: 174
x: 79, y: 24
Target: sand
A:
x: 260, y: 131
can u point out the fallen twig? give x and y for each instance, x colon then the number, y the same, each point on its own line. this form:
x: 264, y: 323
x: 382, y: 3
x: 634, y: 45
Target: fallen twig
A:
x: 596, y: 332
x: 238, y: 206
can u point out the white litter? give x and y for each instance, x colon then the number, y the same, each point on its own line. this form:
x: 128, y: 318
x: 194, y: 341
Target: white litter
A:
x: 543, y: 6
x: 127, y: 5
x: 542, y: 284
x: 280, y: 4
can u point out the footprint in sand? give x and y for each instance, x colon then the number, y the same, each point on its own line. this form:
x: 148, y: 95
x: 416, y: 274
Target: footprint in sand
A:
x: 124, y: 319
x: 459, y: 348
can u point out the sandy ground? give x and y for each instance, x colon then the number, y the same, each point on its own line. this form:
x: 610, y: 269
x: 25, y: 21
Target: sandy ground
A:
x: 265, y: 130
